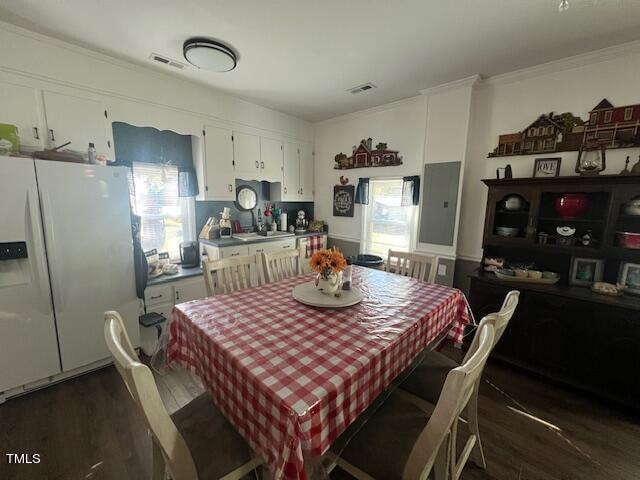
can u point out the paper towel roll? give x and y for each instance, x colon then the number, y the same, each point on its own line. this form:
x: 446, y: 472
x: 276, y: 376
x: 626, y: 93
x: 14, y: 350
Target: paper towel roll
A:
x: 283, y: 222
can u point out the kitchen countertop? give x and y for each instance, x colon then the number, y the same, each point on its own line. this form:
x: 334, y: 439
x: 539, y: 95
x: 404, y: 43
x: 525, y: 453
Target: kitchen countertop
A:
x: 183, y: 272
x: 232, y: 242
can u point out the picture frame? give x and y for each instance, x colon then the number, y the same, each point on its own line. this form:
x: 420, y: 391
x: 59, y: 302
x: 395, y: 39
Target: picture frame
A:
x: 630, y: 277
x: 585, y: 272
x: 343, y: 197
x: 547, y: 167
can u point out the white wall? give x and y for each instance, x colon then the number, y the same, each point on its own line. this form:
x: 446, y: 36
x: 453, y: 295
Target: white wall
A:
x: 510, y: 102
x: 446, y: 138
x: 462, y: 121
x: 43, y: 59
x: 401, y: 125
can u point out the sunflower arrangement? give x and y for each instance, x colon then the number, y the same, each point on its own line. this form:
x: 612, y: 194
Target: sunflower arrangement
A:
x: 328, y: 261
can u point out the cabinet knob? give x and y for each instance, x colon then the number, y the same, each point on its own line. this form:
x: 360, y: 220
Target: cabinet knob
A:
x: 257, y: 166
x: 301, y: 191
x: 285, y: 189
x: 262, y: 165
x: 51, y: 135
x: 36, y: 135
x: 230, y: 188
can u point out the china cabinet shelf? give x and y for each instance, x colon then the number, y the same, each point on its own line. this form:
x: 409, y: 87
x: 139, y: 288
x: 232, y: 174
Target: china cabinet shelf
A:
x: 565, y: 332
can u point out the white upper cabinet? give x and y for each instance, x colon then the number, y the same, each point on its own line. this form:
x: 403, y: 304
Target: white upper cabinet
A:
x: 246, y: 155
x: 77, y: 120
x: 218, y: 165
x: 291, y: 173
x: 19, y: 107
x: 271, y: 152
x: 306, y: 172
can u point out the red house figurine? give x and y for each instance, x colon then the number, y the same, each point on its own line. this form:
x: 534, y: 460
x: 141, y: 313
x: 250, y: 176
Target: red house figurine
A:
x: 618, y: 126
x: 364, y: 156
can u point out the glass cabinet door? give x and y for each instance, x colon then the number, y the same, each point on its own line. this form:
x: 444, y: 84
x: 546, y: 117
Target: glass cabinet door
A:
x: 511, y: 215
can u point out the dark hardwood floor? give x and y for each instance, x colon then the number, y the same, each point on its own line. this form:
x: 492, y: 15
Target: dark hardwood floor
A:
x: 88, y: 428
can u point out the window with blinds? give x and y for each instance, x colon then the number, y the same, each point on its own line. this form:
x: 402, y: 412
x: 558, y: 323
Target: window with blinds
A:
x: 386, y: 223
x: 166, y: 217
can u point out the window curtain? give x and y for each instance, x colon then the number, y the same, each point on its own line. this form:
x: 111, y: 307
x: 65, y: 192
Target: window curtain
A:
x: 150, y: 145
x: 362, y: 192
x: 410, y: 190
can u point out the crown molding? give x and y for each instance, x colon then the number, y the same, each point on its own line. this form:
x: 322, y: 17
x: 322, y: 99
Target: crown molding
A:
x: 129, y: 65
x: 567, y: 63
x: 461, y: 83
x: 368, y: 111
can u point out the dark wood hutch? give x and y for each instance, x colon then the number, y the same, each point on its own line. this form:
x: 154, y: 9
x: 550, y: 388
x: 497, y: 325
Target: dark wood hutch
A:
x: 565, y: 332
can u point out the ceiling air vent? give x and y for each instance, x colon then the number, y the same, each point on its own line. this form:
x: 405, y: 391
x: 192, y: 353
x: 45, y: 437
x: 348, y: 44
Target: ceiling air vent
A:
x: 167, y: 61
x: 362, y: 88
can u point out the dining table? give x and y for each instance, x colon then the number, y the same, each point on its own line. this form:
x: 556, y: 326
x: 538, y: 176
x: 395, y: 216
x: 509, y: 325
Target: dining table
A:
x: 291, y: 377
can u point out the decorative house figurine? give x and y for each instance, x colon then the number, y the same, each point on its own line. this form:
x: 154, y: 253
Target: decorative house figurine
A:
x: 547, y: 134
x: 615, y: 126
x: 301, y: 222
x: 365, y: 156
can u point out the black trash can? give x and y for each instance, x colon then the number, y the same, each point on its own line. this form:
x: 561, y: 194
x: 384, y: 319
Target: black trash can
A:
x: 366, y: 260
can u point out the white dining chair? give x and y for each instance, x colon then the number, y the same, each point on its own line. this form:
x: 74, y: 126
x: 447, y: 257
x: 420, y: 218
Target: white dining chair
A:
x: 412, y: 265
x: 194, y: 443
x: 428, y: 379
x: 228, y: 275
x: 403, y: 441
x: 281, y: 265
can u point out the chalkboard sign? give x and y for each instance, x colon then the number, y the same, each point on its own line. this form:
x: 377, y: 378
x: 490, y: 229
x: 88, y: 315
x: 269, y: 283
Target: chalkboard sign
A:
x: 343, y: 200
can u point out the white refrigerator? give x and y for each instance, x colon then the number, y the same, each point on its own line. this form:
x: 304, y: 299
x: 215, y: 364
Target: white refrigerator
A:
x: 66, y: 256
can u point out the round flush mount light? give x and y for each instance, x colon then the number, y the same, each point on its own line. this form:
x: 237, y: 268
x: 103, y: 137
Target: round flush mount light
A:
x: 209, y: 55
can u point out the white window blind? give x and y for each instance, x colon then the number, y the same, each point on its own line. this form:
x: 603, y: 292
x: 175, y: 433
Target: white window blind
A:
x: 387, y: 224
x: 167, y: 219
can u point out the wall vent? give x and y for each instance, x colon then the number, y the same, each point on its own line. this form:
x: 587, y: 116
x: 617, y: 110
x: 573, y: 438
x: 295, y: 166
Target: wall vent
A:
x: 167, y: 61
x: 362, y: 88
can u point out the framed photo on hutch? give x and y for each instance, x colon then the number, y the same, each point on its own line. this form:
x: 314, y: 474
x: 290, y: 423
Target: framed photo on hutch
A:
x: 547, y: 167
x: 630, y: 277
x: 585, y: 271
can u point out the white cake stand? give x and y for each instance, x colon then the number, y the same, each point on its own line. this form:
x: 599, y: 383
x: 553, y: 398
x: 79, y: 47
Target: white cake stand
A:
x: 308, y: 294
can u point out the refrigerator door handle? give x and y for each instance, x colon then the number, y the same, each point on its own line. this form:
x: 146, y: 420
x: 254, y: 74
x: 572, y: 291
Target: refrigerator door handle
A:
x: 38, y: 264
x: 47, y: 221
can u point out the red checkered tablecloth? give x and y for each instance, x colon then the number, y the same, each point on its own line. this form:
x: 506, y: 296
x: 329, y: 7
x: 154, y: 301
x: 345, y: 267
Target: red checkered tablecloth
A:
x: 290, y: 377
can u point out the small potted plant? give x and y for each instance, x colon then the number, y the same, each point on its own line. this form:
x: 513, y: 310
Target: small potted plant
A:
x: 329, y: 265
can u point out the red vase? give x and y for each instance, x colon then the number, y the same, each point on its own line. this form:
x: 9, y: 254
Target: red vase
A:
x: 571, y: 205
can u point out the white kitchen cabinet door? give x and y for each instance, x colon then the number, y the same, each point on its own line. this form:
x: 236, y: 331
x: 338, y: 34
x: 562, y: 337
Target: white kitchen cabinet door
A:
x: 220, y: 181
x: 77, y: 120
x: 246, y: 155
x: 190, y: 289
x: 271, y: 152
x: 20, y: 108
x: 306, y: 172
x: 291, y: 173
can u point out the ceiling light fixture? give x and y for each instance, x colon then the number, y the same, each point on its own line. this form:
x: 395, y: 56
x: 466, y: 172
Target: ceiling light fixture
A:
x: 564, y: 6
x: 209, y: 55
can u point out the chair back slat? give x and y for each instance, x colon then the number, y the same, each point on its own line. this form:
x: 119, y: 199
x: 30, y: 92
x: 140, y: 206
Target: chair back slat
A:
x: 231, y: 274
x: 144, y: 391
x: 281, y: 265
x: 456, y: 393
x: 412, y: 265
